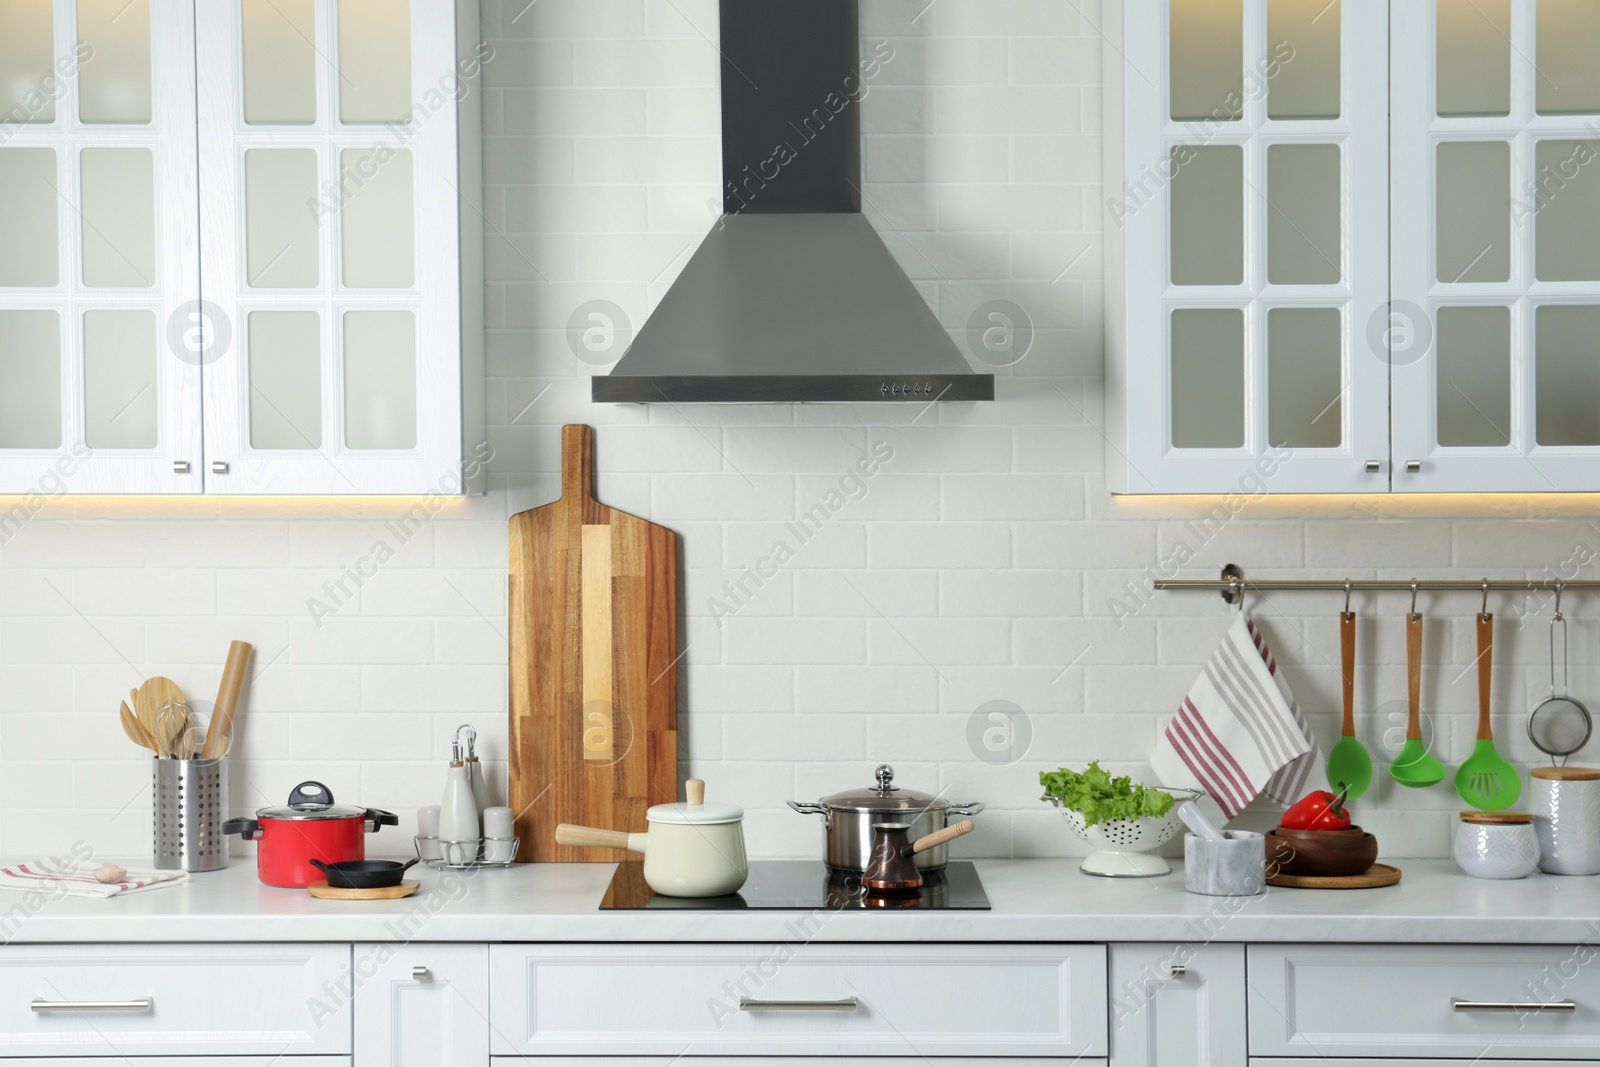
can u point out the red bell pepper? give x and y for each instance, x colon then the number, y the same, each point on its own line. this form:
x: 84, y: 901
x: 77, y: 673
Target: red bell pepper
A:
x: 1320, y: 810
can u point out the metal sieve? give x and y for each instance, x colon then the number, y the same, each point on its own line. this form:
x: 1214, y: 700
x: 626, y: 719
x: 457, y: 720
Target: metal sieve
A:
x: 1559, y: 724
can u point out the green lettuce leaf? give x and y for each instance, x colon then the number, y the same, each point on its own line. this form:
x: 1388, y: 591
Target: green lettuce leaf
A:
x: 1101, y: 797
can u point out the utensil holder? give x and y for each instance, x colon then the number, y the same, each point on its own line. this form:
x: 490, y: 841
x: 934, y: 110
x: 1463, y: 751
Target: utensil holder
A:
x: 191, y: 804
x: 1234, y: 867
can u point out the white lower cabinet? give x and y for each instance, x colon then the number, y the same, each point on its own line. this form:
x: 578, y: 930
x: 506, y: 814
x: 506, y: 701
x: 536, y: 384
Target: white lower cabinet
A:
x: 750, y: 1001
x: 1177, y: 1005
x: 1537, y: 1002
x: 184, y: 1061
x: 422, y: 1005
x: 125, y: 1001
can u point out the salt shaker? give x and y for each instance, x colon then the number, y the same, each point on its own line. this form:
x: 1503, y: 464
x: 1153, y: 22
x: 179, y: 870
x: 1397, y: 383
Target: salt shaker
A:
x: 428, y: 833
x: 499, y: 837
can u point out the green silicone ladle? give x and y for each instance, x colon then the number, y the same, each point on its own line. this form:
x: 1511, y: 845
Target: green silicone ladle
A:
x: 1349, y: 764
x: 1413, y: 766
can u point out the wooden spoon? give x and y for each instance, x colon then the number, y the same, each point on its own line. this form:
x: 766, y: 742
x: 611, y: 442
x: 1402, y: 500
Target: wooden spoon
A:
x: 135, y: 729
x: 155, y: 694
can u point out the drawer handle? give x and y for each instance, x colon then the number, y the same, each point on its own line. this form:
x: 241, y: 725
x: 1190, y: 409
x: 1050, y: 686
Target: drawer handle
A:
x: 1563, y: 1007
x: 40, y: 1005
x: 847, y: 1004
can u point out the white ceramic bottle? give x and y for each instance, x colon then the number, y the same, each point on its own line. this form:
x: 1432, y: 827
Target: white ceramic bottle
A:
x: 459, y: 835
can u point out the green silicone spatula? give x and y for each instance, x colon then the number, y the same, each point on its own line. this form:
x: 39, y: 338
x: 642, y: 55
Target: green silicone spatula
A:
x: 1485, y: 780
x: 1349, y: 764
x: 1413, y: 766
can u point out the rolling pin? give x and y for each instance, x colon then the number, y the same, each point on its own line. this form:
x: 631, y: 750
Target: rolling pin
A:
x: 219, y: 737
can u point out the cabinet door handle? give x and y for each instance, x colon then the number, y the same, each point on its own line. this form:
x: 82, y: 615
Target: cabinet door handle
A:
x: 1564, y: 1007
x: 847, y: 1004
x: 40, y: 1005
x: 1413, y: 466
x: 421, y: 974
x: 1372, y: 466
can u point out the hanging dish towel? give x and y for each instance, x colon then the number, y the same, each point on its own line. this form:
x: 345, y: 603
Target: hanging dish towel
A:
x: 43, y: 876
x: 1239, y: 732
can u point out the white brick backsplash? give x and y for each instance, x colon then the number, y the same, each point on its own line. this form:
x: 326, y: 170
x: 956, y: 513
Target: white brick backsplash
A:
x: 868, y: 593
x: 867, y: 689
x: 928, y: 642
x: 794, y: 641
x: 987, y: 544
x: 1009, y: 594
x: 952, y: 545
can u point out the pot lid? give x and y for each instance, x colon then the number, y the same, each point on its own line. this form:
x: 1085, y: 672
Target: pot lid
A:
x: 884, y: 796
x: 310, y: 801
x: 696, y: 812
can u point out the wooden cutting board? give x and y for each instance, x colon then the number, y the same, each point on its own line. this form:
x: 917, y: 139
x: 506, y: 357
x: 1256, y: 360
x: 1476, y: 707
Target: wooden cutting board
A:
x: 593, y: 603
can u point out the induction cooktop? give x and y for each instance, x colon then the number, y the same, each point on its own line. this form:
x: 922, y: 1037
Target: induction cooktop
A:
x: 804, y: 885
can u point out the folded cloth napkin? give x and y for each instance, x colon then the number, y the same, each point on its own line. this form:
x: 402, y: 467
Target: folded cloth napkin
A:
x: 46, y: 876
x: 1239, y: 732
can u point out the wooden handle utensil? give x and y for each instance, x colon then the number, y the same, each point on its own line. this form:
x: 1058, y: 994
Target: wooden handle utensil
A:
x: 219, y: 737
x: 589, y: 837
x: 939, y: 837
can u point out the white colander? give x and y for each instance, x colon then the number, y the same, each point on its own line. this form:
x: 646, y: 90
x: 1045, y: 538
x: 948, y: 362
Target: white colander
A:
x: 1125, y: 848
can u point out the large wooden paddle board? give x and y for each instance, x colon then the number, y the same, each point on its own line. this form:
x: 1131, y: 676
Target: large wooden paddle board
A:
x: 594, y: 676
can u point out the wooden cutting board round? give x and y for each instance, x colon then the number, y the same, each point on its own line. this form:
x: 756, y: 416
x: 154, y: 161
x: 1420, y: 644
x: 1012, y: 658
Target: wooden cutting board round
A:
x: 593, y: 603
x: 1374, y: 877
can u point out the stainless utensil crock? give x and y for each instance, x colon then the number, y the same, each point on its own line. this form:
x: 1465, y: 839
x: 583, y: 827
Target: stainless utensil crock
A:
x: 849, y: 820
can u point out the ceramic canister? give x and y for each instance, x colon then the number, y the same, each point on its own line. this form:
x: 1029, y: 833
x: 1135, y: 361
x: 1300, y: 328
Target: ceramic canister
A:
x: 1496, y: 844
x: 1565, y: 802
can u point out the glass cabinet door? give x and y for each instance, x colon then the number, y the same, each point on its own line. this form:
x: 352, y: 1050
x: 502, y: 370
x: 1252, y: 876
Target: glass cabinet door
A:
x: 99, y: 267
x: 1496, y: 142
x: 328, y: 155
x: 1253, y: 210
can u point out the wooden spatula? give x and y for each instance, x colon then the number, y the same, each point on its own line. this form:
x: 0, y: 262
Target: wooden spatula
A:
x: 134, y: 729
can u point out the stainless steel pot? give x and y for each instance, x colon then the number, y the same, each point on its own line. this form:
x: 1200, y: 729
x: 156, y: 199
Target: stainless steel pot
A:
x: 849, y: 819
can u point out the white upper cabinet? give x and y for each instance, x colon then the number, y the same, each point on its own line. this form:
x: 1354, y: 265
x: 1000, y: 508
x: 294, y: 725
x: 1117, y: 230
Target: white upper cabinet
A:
x: 1496, y: 245
x: 99, y: 264
x: 240, y: 247
x: 337, y: 141
x: 1316, y: 288
x: 1247, y: 234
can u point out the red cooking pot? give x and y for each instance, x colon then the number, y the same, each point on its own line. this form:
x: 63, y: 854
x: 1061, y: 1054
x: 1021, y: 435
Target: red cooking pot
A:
x: 311, y: 826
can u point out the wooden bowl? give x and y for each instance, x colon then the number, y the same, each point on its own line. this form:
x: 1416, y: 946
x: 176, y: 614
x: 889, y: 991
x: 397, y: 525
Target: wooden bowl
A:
x: 1321, y: 853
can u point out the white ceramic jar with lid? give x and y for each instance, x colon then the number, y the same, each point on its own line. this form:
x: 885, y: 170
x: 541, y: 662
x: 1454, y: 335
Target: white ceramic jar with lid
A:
x: 1496, y: 844
x: 1565, y: 803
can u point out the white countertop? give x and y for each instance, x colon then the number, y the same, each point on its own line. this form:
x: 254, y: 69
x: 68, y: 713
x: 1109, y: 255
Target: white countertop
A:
x: 1033, y: 901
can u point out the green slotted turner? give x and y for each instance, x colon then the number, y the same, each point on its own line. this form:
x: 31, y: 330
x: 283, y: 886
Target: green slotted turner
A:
x: 1486, y: 780
x: 1349, y: 763
x: 1413, y: 766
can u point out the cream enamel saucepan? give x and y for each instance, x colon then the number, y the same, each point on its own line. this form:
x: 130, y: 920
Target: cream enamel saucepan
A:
x: 690, y: 850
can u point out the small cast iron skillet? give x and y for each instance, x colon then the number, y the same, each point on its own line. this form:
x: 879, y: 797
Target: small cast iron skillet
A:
x: 363, y: 874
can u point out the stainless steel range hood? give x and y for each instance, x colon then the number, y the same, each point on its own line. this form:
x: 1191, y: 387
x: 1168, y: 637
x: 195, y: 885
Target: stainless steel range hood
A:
x: 793, y: 296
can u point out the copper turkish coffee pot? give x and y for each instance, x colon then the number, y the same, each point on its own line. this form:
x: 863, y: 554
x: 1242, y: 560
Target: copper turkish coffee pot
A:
x: 892, y: 868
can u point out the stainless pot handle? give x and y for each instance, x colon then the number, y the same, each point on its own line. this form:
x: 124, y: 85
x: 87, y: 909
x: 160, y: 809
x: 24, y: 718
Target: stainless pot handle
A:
x: 805, y: 807
x: 966, y: 809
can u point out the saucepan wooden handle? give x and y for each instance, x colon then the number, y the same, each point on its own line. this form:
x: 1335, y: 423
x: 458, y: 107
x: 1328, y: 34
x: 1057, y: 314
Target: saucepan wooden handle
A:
x: 939, y: 837
x: 589, y: 837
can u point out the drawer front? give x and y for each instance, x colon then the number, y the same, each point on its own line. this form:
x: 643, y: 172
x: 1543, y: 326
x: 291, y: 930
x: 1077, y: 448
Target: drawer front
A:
x: 1391, y: 1062
x: 425, y: 1005
x: 167, y: 1000
x: 1401, y: 1001
x: 909, y: 1000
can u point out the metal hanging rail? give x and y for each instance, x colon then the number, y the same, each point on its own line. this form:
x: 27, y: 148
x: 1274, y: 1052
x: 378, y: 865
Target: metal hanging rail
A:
x: 1233, y: 582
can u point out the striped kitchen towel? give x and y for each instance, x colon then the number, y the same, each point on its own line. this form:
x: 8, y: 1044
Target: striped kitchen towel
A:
x: 54, y: 878
x: 1239, y: 731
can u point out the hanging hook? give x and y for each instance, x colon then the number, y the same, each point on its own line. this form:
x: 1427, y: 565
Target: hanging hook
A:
x: 1413, y: 596
x: 1485, y: 610
x: 1236, y: 586
x: 1559, y: 585
x: 1348, y: 586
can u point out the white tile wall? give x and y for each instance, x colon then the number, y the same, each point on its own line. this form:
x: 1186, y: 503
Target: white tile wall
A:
x: 984, y: 563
